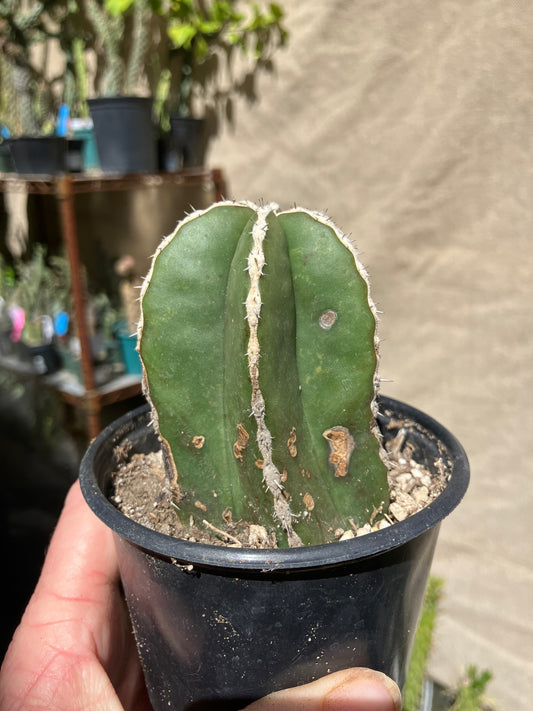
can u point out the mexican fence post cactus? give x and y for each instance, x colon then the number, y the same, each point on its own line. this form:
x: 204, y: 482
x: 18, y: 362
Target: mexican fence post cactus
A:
x: 258, y: 343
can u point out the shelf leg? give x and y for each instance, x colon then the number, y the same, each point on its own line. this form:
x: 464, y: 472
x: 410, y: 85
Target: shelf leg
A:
x: 65, y: 198
x: 219, y: 182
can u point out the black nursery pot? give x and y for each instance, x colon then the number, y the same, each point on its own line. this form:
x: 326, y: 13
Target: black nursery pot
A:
x: 219, y: 627
x: 38, y: 155
x: 186, y: 143
x: 124, y: 133
x: 46, y: 358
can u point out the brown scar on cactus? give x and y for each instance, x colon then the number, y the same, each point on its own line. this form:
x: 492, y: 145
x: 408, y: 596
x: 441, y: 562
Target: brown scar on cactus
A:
x: 309, y: 502
x: 327, y: 319
x: 241, y: 442
x: 341, y: 446
x: 198, y: 441
x: 291, y: 443
x: 171, y: 470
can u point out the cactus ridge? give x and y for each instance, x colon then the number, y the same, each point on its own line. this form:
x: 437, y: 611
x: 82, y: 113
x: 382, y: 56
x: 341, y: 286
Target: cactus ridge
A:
x: 259, y: 352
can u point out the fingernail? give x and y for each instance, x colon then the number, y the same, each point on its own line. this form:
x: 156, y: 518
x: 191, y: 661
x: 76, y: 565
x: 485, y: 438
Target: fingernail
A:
x: 372, y: 691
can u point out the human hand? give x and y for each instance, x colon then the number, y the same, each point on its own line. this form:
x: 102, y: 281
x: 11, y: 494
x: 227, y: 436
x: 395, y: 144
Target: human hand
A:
x: 356, y: 689
x: 74, y: 649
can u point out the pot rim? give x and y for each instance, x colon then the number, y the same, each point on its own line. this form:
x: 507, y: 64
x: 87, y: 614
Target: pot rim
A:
x: 98, y: 102
x: 308, y: 557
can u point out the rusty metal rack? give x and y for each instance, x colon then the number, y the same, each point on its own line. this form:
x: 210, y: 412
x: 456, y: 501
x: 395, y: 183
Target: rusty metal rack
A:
x: 91, y: 397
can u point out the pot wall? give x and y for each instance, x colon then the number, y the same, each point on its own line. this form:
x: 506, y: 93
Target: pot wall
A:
x: 125, y: 134
x: 217, y: 627
x: 38, y: 155
x: 210, y: 640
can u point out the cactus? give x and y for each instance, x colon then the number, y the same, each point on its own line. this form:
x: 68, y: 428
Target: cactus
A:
x: 122, y: 74
x: 76, y: 82
x: 27, y: 102
x: 258, y: 343
x: 110, y: 31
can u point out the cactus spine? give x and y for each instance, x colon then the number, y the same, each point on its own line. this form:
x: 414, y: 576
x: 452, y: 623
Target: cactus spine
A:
x: 258, y: 343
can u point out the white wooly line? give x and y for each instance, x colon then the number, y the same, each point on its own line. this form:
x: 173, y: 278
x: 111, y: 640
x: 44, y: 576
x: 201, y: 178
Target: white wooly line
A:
x: 271, y: 474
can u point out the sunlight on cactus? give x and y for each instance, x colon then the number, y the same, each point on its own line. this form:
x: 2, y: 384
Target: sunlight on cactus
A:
x: 259, y: 348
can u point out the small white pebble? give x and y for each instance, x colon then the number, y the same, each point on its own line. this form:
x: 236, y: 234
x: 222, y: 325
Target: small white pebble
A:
x: 367, y: 528
x: 420, y: 494
x: 382, y: 524
x: 347, y: 535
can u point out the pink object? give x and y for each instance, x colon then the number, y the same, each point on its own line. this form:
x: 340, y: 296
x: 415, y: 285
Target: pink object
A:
x: 18, y: 318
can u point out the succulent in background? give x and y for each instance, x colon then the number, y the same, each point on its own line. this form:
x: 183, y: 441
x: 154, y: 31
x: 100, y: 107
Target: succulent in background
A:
x: 31, y: 85
x: 123, y: 70
x: 26, y: 97
x: 41, y: 287
x: 259, y: 348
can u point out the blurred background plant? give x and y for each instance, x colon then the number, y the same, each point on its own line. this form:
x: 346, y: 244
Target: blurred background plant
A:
x: 39, y: 286
x: 471, y: 693
x: 26, y: 101
x: 420, y: 693
x: 123, y: 40
x: 192, y: 56
x: 31, y: 86
x: 199, y: 41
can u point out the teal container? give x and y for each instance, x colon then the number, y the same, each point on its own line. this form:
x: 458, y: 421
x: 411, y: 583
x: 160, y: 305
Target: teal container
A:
x: 130, y: 356
x: 89, y: 150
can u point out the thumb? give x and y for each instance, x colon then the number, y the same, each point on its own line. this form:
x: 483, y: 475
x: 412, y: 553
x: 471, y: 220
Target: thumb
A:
x: 356, y: 689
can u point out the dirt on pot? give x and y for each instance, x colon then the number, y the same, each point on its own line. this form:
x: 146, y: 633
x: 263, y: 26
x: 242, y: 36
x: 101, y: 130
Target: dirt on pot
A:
x: 140, y: 491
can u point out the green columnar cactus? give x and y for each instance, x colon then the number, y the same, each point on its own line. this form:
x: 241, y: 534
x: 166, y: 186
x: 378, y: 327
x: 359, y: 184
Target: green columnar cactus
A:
x: 110, y: 30
x: 24, y: 27
x: 139, y: 46
x: 122, y: 73
x: 258, y: 343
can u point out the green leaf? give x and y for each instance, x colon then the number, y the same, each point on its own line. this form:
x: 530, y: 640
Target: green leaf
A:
x: 181, y: 35
x: 210, y: 27
x: 276, y: 11
x: 118, y: 7
x: 201, y: 47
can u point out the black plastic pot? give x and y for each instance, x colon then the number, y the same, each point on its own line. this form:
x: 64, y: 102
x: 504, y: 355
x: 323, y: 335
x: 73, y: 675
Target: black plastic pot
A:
x: 125, y: 134
x: 75, y: 155
x: 185, y: 143
x: 218, y: 627
x: 38, y: 155
x: 6, y: 162
x: 46, y: 359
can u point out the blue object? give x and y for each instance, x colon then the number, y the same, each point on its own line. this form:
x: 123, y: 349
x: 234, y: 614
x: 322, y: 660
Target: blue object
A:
x: 62, y: 120
x: 61, y: 320
x: 4, y: 132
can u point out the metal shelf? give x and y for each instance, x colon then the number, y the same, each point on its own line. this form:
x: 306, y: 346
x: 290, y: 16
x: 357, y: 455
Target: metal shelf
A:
x: 89, y: 396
